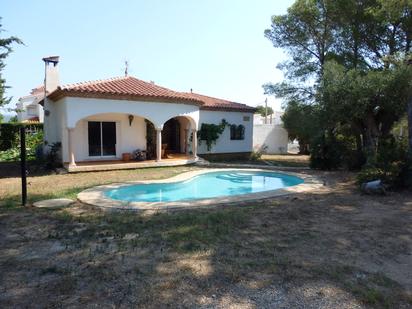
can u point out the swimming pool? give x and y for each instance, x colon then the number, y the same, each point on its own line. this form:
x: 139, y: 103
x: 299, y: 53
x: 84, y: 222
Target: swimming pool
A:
x: 205, y: 186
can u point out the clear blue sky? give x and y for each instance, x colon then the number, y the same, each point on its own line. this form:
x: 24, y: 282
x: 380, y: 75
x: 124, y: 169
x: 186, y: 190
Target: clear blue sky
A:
x: 215, y: 47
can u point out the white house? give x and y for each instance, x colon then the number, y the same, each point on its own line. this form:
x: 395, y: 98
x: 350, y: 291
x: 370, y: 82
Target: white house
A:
x: 105, y: 119
x: 28, y: 109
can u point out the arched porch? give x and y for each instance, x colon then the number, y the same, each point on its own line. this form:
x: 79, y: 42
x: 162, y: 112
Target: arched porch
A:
x: 99, y: 141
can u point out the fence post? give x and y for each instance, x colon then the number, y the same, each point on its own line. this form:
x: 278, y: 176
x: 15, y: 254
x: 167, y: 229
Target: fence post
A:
x: 23, y: 165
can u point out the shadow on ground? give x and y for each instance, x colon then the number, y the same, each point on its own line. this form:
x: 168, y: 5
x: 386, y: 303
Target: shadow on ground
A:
x: 331, y: 249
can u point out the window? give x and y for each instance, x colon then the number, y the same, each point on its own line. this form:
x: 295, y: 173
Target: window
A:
x: 246, y: 118
x: 237, y: 132
x: 31, y: 111
x: 102, y: 138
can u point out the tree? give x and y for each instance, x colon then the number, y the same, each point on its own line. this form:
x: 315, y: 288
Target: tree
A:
x: 301, y: 122
x: 5, y: 50
x: 371, y: 102
x: 13, y: 119
x: 261, y: 110
x: 346, y: 62
x: 306, y: 33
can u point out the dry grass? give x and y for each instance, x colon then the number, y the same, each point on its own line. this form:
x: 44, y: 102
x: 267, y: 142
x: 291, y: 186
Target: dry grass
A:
x: 331, y: 249
x: 287, y: 160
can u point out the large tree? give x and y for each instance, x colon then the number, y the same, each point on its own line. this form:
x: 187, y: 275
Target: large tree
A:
x: 370, y: 101
x: 306, y: 34
x: 5, y: 49
x: 366, y: 40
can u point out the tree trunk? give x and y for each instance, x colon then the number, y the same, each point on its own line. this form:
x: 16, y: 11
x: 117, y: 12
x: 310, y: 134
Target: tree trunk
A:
x: 371, y: 138
x: 409, y: 172
x: 410, y: 126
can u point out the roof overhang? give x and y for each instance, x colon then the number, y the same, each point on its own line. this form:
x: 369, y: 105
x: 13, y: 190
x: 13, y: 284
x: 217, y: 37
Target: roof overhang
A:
x: 62, y: 93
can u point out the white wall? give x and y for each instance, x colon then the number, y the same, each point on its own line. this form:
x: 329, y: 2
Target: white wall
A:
x: 72, y: 112
x: 128, y: 137
x: 273, y: 136
x: 224, y: 144
x: 158, y: 113
x: 24, y: 106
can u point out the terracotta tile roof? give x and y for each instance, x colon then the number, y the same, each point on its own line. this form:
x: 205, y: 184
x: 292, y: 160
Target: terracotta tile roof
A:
x: 131, y: 88
x: 126, y: 88
x: 32, y: 120
x: 211, y: 103
x: 37, y: 92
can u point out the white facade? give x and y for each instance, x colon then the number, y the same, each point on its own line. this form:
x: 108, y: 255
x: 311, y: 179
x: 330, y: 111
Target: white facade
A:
x: 29, y: 109
x: 224, y: 144
x: 68, y: 119
x: 273, y: 136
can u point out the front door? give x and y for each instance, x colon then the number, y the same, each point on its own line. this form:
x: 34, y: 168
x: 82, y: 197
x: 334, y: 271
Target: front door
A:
x: 102, y: 138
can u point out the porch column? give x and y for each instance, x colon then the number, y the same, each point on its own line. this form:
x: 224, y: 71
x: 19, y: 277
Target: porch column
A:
x: 194, y: 143
x: 72, y: 162
x: 158, y: 145
x: 187, y: 139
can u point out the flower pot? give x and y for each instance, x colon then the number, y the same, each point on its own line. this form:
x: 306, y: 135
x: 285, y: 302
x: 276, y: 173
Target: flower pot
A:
x: 126, y: 157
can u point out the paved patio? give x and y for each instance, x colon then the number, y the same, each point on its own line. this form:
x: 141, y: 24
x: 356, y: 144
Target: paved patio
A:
x: 94, y: 166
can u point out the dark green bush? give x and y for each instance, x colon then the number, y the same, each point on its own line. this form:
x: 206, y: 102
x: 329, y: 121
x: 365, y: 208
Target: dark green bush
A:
x: 328, y: 152
x: 9, y: 133
x: 33, y: 142
x: 392, y: 164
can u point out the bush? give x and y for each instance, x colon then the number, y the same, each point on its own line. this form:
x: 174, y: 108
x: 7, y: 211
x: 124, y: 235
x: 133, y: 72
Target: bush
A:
x: 9, y: 134
x: 392, y: 164
x: 33, y: 142
x: 326, y: 152
x: 258, y: 152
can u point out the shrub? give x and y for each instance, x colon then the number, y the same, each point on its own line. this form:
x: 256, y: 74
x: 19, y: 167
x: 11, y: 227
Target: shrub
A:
x: 258, y: 152
x: 33, y: 142
x: 52, y: 159
x: 326, y: 152
x: 392, y: 164
x: 9, y: 133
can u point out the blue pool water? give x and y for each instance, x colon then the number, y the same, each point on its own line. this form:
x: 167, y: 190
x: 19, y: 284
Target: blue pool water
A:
x: 205, y: 186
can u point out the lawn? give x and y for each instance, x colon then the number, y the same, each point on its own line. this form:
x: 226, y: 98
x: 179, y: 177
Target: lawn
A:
x: 334, y: 248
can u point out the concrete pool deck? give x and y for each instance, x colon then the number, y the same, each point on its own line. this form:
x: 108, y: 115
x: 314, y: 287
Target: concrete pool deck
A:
x: 96, y: 196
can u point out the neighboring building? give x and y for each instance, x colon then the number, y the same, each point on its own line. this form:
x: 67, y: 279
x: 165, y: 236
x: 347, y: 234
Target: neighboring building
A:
x: 28, y: 107
x: 104, y: 119
x: 271, y: 134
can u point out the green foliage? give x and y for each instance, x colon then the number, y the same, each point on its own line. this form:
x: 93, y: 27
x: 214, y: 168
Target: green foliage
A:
x: 5, y: 50
x: 391, y: 163
x: 326, y: 152
x: 257, y: 154
x: 210, y: 133
x: 13, y: 119
x: 349, y: 63
x: 10, y: 132
x: 52, y: 159
x: 261, y: 110
x: 301, y: 122
x: 33, y: 141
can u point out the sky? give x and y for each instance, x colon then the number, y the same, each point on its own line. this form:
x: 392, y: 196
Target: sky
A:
x: 215, y: 47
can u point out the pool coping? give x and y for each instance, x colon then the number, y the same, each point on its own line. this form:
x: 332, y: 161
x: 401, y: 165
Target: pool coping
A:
x: 95, y: 196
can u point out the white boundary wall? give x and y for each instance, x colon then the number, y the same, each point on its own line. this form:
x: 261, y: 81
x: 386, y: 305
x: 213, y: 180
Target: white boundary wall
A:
x: 275, y: 137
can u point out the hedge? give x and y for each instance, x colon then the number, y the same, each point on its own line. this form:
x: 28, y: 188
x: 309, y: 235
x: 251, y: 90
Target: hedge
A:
x: 9, y: 133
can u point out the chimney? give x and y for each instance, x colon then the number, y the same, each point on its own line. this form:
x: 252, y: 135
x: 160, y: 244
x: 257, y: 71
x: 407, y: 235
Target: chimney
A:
x: 51, y: 73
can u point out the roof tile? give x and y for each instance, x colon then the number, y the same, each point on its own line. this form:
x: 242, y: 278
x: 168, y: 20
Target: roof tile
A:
x: 131, y: 87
